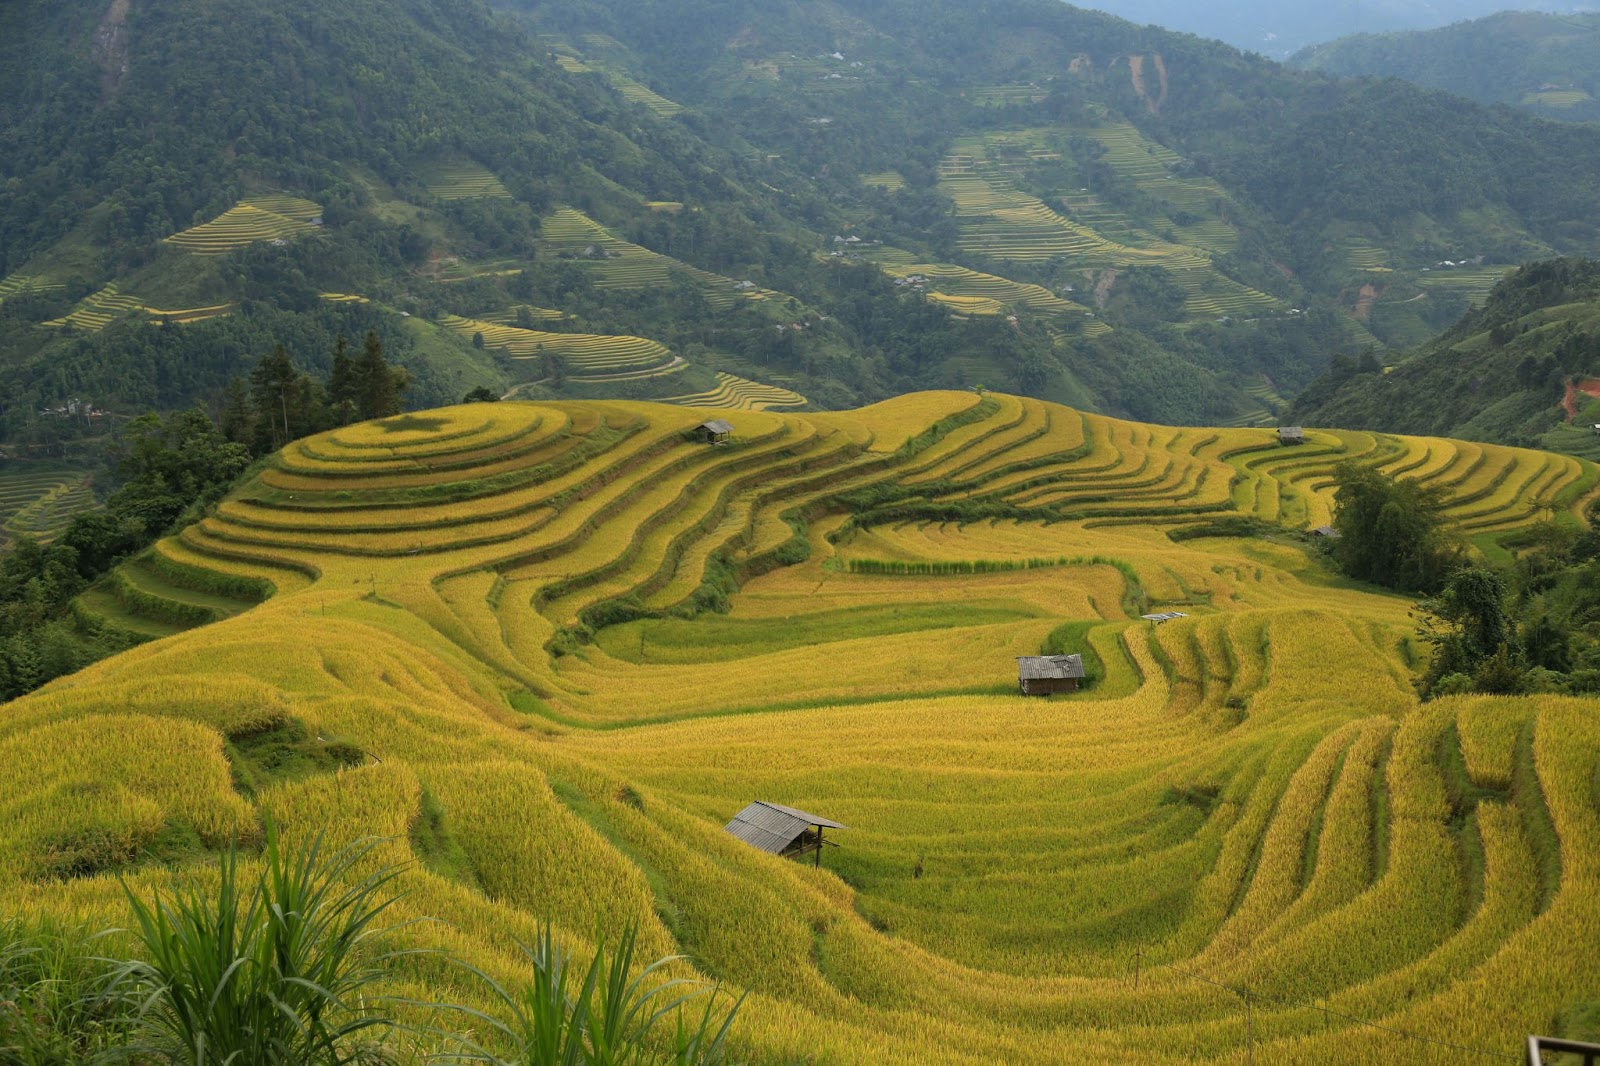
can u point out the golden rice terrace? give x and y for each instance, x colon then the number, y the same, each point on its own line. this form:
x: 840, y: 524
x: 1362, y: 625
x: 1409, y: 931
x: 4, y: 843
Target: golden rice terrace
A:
x: 496, y: 606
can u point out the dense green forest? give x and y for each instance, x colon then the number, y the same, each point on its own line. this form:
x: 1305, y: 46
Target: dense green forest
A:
x: 1546, y: 63
x: 768, y: 202
x: 1512, y: 372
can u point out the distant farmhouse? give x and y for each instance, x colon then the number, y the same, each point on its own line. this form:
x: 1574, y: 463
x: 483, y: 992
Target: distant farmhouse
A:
x: 1291, y: 435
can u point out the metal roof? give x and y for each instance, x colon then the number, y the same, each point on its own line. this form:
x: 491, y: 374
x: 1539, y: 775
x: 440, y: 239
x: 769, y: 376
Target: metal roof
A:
x: 1291, y: 431
x: 718, y: 425
x: 1164, y: 616
x: 1326, y: 531
x: 772, y: 827
x: 1049, y: 667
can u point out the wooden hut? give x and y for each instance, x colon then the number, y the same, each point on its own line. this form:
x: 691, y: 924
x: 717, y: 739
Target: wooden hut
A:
x: 716, y: 431
x: 780, y: 830
x: 1291, y: 435
x: 1326, y: 532
x: 1161, y: 617
x: 1041, y: 675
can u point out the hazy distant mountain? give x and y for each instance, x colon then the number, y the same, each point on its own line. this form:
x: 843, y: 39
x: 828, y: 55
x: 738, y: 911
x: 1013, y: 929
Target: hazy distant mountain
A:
x: 1279, y: 29
x: 1546, y: 63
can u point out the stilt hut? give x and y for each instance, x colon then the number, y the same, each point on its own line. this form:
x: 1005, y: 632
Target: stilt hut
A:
x: 1041, y: 675
x: 1291, y: 435
x: 716, y: 431
x: 780, y: 830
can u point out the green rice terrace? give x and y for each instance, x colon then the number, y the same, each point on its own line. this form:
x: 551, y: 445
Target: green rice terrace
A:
x: 987, y: 177
x: 462, y: 181
x: 38, y: 498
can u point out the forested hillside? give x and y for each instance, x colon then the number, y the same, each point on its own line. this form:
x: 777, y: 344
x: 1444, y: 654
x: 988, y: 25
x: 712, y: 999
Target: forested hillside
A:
x: 1525, y: 369
x: 1546, y: 63
x: 762, y: 205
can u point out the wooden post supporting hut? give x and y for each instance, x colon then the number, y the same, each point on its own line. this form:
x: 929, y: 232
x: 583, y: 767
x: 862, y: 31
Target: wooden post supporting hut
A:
x: 1041, y: 675
x: 780, y: 830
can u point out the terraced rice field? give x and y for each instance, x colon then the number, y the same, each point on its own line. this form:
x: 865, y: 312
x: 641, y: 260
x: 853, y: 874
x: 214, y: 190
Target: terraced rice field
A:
x: 18, y: 284
x: 1000, y: 222
x: 588, y: 357
x: 741, y: 394
x: 517, y: 313
x: 1474, y: 283
x: 1362, y: 254
x: 1246, y: 841
x: 618, y: 264
x: 954, y: 284
x: 643, y: 95
x: 572, y: 61
x: 98, y: 310
x: 888, y: 181
x: 1006, y: 95
x: 39, y: 499
x: 260, y: 218
x: 1558, y: 98
x: 462, y: 180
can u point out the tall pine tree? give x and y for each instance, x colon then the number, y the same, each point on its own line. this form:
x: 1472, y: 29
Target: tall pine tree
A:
x: 381, y: 384
x: 344, y: 384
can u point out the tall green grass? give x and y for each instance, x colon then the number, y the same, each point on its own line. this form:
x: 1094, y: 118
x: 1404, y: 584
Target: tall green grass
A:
x: 281, y: 973
x: 607, y: 1016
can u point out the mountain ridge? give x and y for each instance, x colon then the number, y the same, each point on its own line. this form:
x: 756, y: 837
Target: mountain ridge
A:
x: 709, y: 178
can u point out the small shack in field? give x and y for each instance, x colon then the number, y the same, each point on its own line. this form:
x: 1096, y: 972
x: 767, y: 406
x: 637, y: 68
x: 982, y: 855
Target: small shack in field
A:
x: 1326, y: 532
x: 1291, y: 435
x: 716, y: 431
x: 780, y: 830
x: 1041, y: 675
x: 1162, y: 616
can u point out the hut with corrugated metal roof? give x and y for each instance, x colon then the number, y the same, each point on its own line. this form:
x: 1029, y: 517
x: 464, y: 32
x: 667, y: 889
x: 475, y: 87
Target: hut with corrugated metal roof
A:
x: 716, y: 431
x: 1041, y: 675
x: 780, y: 830
x: 1291, y: 435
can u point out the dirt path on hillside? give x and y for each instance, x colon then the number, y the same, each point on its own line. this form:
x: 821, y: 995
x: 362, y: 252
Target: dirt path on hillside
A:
x: 1569, y: 400
x: 1362, y: 312
x: 1136, y: 69
x: 1102, y: 288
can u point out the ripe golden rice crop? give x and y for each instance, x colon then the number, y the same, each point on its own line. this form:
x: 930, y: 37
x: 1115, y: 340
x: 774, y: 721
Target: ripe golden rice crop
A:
x: 561, y: 644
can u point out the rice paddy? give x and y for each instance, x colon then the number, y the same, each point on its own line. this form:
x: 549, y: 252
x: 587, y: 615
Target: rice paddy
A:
x: 1002, y: 223
x: 1474, y: 283
x: 260, y: 218
x: 618, y: 264
x: 38, y: 499
x: 461, y: 180
x: 1557, y: 98
x: 1246, y: 841
x: 21, y: 284
x: 974, y: 292
x: 588, y: 357
x: 741, y: 394
x: 99, y: 309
